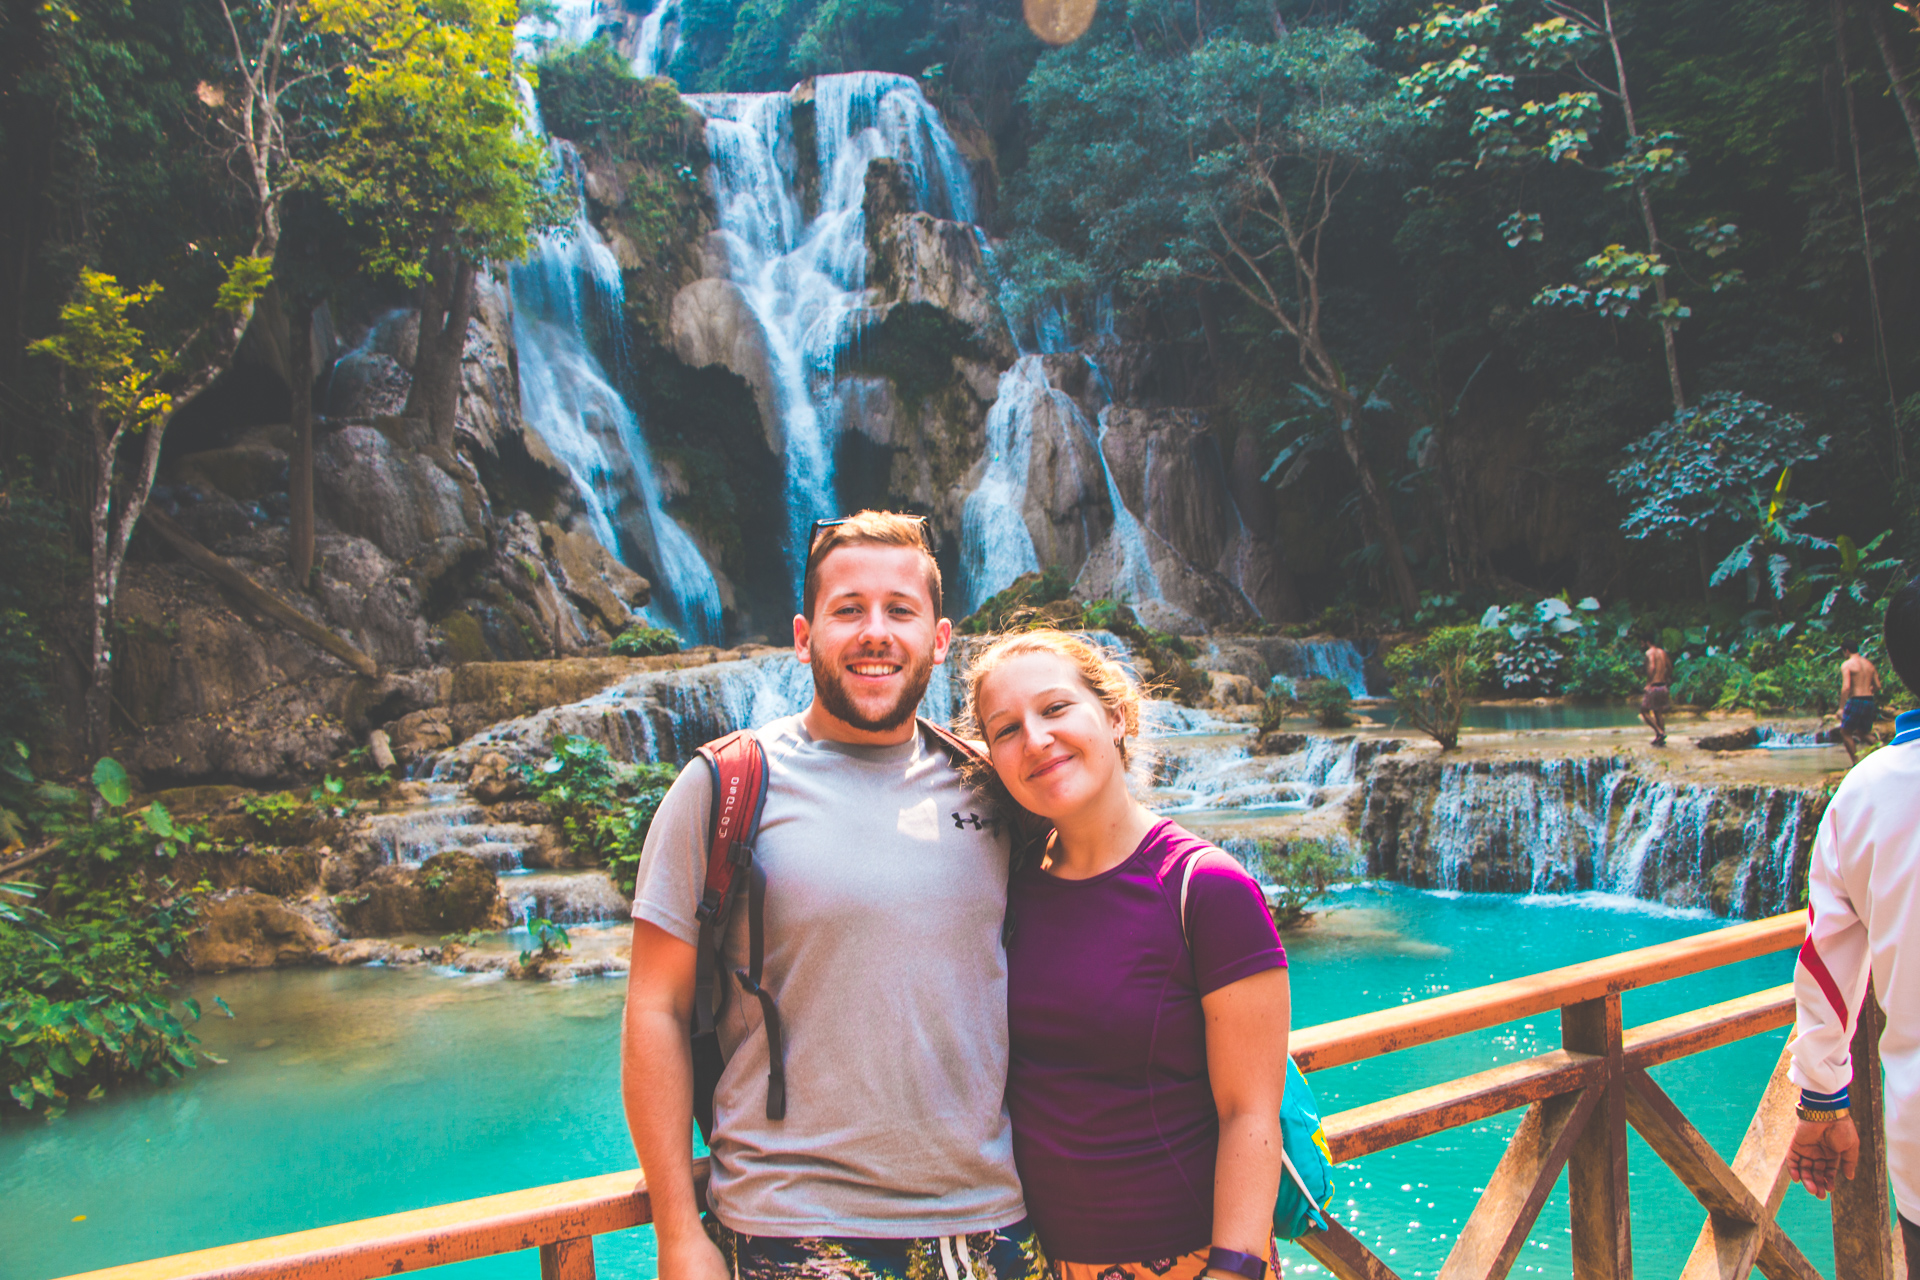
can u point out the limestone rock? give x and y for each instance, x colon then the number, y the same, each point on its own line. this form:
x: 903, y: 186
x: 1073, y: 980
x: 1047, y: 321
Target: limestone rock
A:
x: 594, y: 579
x: 916, y: 257
x: 1230, y: 689
x: 712, y: 323
x: 448, y: 893
x: 1730, y: 740
x: 248, y: 930
x: 420, y: 733
x: 494, y: 779
x: 370, y: 484
x: 249, y: 469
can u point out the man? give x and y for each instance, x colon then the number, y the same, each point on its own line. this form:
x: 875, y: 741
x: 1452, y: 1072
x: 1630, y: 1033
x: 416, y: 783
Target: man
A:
x: 1863, y: 891
x: 885, y: 904
x: 1859, y: 685
x: 1657, y: 699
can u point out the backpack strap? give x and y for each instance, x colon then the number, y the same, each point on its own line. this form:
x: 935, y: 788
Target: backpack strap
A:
x: 958, y: 748
x: 739, y: 768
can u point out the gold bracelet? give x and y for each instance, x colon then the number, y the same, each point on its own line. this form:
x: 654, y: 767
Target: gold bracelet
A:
x: 1820, y: 1117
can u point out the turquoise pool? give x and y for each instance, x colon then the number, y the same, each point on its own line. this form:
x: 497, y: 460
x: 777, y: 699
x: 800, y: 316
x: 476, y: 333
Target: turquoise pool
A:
x: 351, y: 1093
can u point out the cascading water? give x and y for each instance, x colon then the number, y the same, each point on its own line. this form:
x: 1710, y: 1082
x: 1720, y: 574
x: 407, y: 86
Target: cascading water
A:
x: 567, y: 398
x: 1336, y: 660
x: 804, y: 276
x: 656, y: 44
x: 995, y: 546
x: 1558, y: 824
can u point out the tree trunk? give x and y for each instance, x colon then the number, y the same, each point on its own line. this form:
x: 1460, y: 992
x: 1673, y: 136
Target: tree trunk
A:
x: 1383, y: 524
x: 100, y: 583
x: 1669, y: 346
x: 1877, y: 22
x: 300, y: 464
x: 446, y: 304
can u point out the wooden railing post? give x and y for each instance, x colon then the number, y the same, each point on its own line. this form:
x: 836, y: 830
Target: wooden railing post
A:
x: 1862, y: 1213
x: 1597, y: 1170
x: 567, y: 1259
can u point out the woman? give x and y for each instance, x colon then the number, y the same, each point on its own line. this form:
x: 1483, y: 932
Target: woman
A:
x: 1147, y: 1073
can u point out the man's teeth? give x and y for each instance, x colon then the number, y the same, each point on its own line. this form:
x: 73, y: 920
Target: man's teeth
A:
x: 874, y: 668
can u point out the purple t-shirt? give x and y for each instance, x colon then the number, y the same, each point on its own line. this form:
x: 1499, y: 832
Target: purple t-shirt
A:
x: 1114, y: 1126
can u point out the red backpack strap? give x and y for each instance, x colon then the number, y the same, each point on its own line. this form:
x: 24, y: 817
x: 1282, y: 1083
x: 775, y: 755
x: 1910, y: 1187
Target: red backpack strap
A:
x: 739, y: 769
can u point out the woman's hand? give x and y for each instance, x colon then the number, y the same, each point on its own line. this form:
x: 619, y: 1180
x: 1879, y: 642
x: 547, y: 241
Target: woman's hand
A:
x: 1247, y: 1024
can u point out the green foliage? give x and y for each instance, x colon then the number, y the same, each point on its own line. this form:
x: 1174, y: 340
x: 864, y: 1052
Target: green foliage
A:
x: 84, y: 966
x: 1434, y: 677
x: 1330, y: 701
x: 1696, y: 471
x: 641, y: 641
x: 590, y: 95
x: 604, y: 808
x: 1276, y: 704
x: 110, y: 360
x: 35, y: 578
x: 1031, y: 599
x: 1598, y: 669
x: 550, y: 939
x: 432, y: 158
x: 1700, y: 680
x: 1303, y: 873
x: 281, y: 817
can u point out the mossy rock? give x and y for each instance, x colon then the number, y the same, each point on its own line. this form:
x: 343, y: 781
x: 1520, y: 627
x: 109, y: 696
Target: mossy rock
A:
x: 457, y: 892
x: 448, y: 893
x: 465, y: 640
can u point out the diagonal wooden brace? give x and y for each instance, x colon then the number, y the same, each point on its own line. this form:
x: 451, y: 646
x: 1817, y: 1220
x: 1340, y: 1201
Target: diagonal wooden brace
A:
x: 1742, y: 1198
x: 1491, y: 1240
x: 1343, y: 1256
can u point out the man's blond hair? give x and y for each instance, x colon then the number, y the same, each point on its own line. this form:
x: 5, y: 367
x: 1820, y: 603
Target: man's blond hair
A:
x: 872, y: 529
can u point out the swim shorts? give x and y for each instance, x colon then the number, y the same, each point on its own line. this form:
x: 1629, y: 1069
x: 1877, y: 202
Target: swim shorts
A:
x: 1856, y: 718
x: 1655, y: 698
x: 1187, y: 1266
x: 1011, y: 1253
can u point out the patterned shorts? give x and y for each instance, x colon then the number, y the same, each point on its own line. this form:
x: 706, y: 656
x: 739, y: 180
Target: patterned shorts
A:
x: 1011, y: 1253
x: 1187, y: 1266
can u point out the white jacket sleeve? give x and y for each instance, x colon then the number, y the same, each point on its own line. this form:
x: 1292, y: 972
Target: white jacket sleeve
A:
x: 1830, y: 978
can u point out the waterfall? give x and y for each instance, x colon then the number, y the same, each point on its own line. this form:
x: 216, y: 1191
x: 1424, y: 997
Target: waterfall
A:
x: 995, y: 546
x: 803, y: 274
x: 1336, y: 660
x: 1133, y: 578
x: 666, y: 715
x: 569, y: 283
x: 1558, y: 825
x: 655, y: 49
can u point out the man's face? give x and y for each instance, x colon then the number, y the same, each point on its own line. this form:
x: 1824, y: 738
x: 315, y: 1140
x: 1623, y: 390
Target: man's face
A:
x: 873, y: 640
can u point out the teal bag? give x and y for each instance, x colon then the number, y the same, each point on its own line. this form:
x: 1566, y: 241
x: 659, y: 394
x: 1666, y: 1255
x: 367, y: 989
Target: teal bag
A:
x: 1306, y: 1184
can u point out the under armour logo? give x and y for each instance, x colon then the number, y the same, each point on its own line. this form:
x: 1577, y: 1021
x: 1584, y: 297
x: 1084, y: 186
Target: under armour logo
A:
x: 973, y: 819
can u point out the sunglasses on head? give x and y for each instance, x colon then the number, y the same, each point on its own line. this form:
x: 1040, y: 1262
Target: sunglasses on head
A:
x: 821, y: 526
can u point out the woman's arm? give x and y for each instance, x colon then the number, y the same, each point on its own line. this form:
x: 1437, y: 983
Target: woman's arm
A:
x: 1247, y: 1024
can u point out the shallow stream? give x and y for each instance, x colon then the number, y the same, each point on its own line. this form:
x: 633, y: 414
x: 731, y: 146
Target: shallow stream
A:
x: 352, y: 1093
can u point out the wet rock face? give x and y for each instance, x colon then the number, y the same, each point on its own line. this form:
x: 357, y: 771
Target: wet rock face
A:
x: 914, y: 257
x: 1557, y: 825
x: 448, y: 893
x: 712, y: 323
x: 249, y: 930
x: 369, y: 483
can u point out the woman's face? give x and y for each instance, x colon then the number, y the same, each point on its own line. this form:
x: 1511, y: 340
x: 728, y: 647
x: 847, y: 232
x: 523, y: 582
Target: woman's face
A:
x: 1051, y: 739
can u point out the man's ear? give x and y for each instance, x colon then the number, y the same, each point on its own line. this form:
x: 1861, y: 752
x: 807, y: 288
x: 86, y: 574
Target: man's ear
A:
x: 942, y: 640
x: 803, y: 640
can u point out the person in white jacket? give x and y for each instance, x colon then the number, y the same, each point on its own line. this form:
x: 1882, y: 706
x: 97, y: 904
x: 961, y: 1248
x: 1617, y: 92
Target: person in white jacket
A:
x: 1863, y: 910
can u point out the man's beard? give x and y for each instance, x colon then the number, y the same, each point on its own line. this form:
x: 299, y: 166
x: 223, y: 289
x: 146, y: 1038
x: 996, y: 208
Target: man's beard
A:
x: 830, y: 686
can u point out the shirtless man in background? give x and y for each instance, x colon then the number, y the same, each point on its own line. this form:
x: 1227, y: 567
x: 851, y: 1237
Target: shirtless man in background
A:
x: 1655, y: 702
x: 1859, y: 683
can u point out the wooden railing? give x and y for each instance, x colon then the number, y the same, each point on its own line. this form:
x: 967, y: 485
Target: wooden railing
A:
x: 1579, y: 1101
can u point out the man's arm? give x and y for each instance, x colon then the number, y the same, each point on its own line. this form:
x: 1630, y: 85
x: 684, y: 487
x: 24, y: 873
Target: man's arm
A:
x: 656, y: 1084
x: 1829, y: 986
